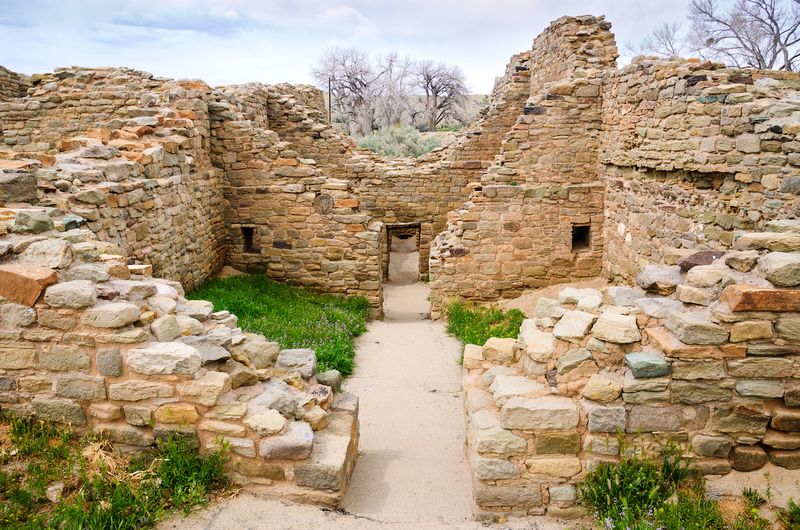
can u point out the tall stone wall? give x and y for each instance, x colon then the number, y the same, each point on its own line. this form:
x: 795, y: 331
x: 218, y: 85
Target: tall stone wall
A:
x: 284, y: 216
x: 693, y: 154
x: 128, y: 154
x: 12, y: 84
x: 516, y: 231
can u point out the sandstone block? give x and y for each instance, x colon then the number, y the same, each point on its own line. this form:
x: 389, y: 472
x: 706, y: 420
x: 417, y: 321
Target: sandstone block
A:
x: 13, y: 315
x: 647, y: 364
x: 32, y: 222
x: 762, y: 388
x: 137, y: 390
x: 58, y: 410
x: 525, y: 495
x: 179, y: 413
x: 538, y: 345
x: 163, y: 358
x: 75, y: 294
x: 761, y: 367
x: 710, y: 369
x: 207, y: 389
x: 500, y: 350
x: 294, y: 444
x: 785, y: 459
x: 668, y: 418
x: 126, y: 434
x: 165, y: 328
x: 228, y: 411
x: 693, y: 392
x: 558, y: 442
x: 111, y: 315
x: 573, y: 326
x: 781, y: 268
x: 17, y: 355
x: 240, y: 374
x: 607, y: 419
x: 496, y: 440
x: 472, y: 357
x: 572, y: 359
x: 660, y: 279
x: 786, y: 419
x: 298, y: 360
x: 613, y: 327
x: 695, y: 328
x: 751, y: 330
x: 24, y: 283
x: 539, y: 414
x: 557, y: 466
x: 266, y: 422
x: 138, y: 415
x: 716, y: 446
x: 50, y: 253
x: 80, y: 386
x: 505, y: 387
x: 601, y: 389
x: 494, y: 469
x: 109, y: 362
x: 748, y: 458
x: 740, y: 297
x: 105, y: 411
x: 739, y: 418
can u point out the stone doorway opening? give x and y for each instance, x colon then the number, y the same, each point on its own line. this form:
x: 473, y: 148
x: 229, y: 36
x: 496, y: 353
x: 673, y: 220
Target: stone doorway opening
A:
x: 401, y: 264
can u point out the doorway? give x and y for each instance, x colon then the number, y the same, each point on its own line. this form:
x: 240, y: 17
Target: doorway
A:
x: 403, y: 253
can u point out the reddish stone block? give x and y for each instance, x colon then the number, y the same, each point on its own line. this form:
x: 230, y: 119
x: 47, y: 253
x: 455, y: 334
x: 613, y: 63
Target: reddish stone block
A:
x: 741, y: 297
x: 24, y: 283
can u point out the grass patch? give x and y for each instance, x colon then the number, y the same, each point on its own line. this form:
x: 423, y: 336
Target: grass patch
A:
x: 474, y: 324
x: 292, y: 316
x: 92, y: 487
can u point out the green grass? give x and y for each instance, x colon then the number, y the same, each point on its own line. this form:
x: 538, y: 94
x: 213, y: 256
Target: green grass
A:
x: 101, y: 488
x: 292, y: 316
x: 474, y: 324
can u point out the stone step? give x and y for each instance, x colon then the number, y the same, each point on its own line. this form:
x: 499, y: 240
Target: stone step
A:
x: 332, y: 457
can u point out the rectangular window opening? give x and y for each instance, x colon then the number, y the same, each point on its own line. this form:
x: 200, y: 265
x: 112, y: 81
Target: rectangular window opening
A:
x: 248, y: 234
x: 581, y: 237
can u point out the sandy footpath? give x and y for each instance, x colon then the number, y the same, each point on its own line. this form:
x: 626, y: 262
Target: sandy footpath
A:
x: 412, y: 471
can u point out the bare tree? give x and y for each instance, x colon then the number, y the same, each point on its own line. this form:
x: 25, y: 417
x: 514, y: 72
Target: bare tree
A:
x: 392, y: 104
x: 444, y: 90
x: 752, y: 33
x: 352, y: 81
x: 665, y: 41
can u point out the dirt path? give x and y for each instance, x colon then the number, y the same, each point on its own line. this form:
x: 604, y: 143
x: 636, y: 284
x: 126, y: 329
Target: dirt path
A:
x: 411, y: 466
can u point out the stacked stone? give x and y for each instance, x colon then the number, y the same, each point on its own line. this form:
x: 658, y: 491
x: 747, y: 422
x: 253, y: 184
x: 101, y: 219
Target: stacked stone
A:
x: 692, y: 152
x: 12, y: 85
x: 132, y: 165
x: 306, y: 227
x: 89, y: 340
x: 543, y: 184
x: 702, y: 355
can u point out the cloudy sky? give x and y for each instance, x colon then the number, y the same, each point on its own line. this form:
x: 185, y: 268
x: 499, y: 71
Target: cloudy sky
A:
x: 235, y: 41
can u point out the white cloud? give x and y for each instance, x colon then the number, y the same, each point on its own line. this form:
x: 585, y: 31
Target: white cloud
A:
x: 233, y: 41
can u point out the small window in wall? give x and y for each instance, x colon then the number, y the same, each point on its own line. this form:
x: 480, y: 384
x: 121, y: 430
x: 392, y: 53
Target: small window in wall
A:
x: 581, y: 237
x: 248, y: 234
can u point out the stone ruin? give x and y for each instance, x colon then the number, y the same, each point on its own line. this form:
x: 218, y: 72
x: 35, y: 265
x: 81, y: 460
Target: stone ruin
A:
x: 118, y: 190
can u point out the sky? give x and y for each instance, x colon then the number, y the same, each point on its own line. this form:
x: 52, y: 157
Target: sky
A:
x: 271, y: 41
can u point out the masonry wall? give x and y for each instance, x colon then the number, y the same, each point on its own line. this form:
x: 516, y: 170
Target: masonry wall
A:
x: 12, y: 84
x: 149, y: 187
x: 548, y: 165
x: 692, y: 154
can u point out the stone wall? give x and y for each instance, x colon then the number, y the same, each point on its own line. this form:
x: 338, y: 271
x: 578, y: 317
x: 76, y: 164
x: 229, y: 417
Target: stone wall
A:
x: 537, y: 217
x: 89, y: 340
x: 285, y: 217
x: 12, y: 84
x: 703, y: 358
x: 128, y: 154
x: 693, y: 154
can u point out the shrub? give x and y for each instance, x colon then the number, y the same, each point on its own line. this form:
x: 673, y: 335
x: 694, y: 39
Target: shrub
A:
x: 399, y: 140
x: 474, y: 324
x: 292, y: 316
